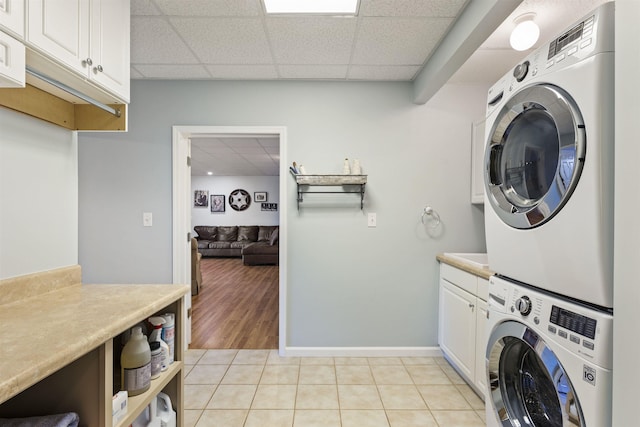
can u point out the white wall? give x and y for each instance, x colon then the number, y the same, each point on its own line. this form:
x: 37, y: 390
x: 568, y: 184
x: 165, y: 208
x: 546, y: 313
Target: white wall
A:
x: 253, y: 215
x: 349, y: 285
x: 626, y: 375
x: 38, y: 196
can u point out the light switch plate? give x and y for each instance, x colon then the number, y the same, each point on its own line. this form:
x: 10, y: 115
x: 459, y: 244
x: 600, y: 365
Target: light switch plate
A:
x: 147, y: 219
x: 371, y: 220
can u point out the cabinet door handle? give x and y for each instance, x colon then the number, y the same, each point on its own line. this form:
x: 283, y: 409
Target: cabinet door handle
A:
x: 471, y: 306
x: 86, y: 62
x: 97, y: 69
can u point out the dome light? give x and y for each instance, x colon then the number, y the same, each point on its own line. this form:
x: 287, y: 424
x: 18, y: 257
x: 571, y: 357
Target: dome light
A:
x: 526, y: 32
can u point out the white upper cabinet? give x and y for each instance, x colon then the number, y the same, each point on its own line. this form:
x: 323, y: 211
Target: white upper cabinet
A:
x: 88, y: 37
x: 12, y: 17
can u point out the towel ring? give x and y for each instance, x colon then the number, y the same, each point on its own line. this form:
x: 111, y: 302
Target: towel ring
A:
x: 429, y: 212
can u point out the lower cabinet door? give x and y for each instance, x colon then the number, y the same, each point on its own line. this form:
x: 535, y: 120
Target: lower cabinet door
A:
x: 457, y: 327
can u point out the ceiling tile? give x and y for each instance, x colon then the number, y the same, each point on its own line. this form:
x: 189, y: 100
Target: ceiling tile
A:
x: 397, y: 41
x: 311, y: 40
x: 433, y: 8
x: 177, y: 72
x: 313, y: 71
x: 243, y: 72
x: 144, y: 7
x: 225, y: 41
x: 386, y: 72
x: 210, y: 7
x: 153, y: 41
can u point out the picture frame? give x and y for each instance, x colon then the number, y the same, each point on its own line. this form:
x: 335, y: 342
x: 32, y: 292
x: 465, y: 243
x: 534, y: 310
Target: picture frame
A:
x: 217, y: 203
x: 270, y: 207
x: 260, y: 196
x: 200, y: 198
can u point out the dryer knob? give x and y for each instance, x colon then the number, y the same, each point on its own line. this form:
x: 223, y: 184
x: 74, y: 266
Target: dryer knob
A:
x: 521, y: 70
x: 523, y: 304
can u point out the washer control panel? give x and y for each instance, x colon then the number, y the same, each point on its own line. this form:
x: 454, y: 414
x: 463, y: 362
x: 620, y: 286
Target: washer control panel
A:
x: 580, y: 329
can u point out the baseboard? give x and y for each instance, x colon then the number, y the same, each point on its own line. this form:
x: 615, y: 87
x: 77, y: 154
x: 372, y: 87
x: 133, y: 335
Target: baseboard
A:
x: 362, y: 352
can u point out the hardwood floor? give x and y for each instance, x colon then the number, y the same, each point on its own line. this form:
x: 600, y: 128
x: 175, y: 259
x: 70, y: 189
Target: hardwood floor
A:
x: 237, y: 307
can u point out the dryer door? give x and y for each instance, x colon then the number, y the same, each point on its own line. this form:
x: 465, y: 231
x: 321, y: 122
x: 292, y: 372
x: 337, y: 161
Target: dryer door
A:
x: 528, y: 385
x: 534, y: 156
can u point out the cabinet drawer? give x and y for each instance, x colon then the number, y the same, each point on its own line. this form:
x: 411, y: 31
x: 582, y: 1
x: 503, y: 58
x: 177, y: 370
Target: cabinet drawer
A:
x: 466, y: 281
x: 483, y: 289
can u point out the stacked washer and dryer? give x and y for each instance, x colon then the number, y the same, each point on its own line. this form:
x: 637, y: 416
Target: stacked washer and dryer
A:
x: 549, y: 229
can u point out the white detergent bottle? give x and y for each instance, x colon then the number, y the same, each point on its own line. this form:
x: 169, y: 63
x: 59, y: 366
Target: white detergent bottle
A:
x: 166, y: 414
x: 156, y: 335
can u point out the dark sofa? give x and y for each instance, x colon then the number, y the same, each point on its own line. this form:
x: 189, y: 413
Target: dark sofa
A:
x: 256, y: 244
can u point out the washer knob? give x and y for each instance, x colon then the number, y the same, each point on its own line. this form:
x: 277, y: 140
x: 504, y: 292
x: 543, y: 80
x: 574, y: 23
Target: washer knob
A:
x: 521, y: 70
x: 523, y: 304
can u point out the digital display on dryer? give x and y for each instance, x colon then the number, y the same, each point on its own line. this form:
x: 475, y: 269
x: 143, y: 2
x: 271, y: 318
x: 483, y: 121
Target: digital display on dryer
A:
x: 574, y: 322
x: 561, y: 42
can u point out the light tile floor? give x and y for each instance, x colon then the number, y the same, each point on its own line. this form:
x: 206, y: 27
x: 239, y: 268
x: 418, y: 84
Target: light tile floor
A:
x: 258, y: 388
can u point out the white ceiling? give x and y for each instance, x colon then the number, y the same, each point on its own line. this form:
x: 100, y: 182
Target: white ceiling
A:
x: 235, y: 39
x: 389, y: 40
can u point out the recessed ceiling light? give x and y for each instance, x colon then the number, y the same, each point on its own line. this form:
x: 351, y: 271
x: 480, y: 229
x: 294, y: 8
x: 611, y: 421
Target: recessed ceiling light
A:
x: 209, y: 173
x: 334, y: 7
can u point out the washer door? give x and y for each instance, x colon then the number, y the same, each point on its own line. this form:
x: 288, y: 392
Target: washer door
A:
x: 528, y: 385
x: 535, y: 154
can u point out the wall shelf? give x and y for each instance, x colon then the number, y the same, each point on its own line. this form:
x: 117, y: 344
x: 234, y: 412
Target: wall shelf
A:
x: 304, y: 182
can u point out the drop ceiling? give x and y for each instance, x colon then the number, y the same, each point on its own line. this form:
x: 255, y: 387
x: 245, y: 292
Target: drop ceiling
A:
x: 388, y: 40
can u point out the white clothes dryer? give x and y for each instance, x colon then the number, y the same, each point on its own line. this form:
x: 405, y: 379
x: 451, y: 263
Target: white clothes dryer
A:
x: 549, y: 165
x: 548, y: 360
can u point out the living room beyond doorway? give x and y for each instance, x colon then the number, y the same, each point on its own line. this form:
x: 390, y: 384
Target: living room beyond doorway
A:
x: 237, y: 306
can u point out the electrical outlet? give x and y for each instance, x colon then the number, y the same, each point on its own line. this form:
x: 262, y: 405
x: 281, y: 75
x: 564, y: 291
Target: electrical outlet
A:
x: 371, y: 220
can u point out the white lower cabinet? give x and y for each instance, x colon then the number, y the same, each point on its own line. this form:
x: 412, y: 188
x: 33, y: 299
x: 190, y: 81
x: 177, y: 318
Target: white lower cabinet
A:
x: 461, y: 323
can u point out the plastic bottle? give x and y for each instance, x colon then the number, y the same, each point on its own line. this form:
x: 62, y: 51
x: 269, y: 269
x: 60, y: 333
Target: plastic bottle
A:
x: 156, y: 335
x: 346, y: 168
x: 165, y: 411
x: 135, y: 362
x: 156, y: 359
x: 169, y: 334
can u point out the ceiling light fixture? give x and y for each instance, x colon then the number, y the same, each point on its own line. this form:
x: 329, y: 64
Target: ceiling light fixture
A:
x: 209, y: 173
x: 333, y: 7
x: 526, y: 32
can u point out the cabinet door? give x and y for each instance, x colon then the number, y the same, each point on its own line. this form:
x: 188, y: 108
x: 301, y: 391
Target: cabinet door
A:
x: 477, y: 162
x: 481, y: 346
x: 457, y: 327
x: 110, y: 45
x: 60, y: 29
x: 12, y: 17
x: 12, y: 62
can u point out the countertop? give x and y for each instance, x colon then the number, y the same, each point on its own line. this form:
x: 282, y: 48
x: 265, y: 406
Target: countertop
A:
x: 468, y: 267
x: 43, y: 333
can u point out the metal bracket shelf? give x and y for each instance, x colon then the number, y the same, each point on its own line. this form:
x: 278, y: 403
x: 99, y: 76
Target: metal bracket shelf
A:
x: 306, y: 181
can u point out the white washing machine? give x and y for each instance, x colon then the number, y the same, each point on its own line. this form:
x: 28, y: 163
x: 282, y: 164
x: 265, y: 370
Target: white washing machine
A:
x: 549, y: 165
x: 548, y: 360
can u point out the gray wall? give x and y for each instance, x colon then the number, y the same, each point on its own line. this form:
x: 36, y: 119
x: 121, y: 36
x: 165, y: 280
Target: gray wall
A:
x: 38, y: 195
x: 349, y: 285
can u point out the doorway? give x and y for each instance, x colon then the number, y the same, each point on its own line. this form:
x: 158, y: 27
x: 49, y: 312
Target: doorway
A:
x: 182, y: 200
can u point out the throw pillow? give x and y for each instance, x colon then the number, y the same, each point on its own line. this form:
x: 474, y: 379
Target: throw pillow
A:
x: 274, y: 237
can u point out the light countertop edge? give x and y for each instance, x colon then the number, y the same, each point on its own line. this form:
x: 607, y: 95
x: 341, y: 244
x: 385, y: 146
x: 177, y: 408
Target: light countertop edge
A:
x: 468, y: 267
x: 42, y: 334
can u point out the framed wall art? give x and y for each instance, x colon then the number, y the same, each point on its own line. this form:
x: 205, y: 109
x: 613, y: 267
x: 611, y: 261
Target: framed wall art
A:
x: 260, y: 196
x: 217, y: 203
x: 200, y: 198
